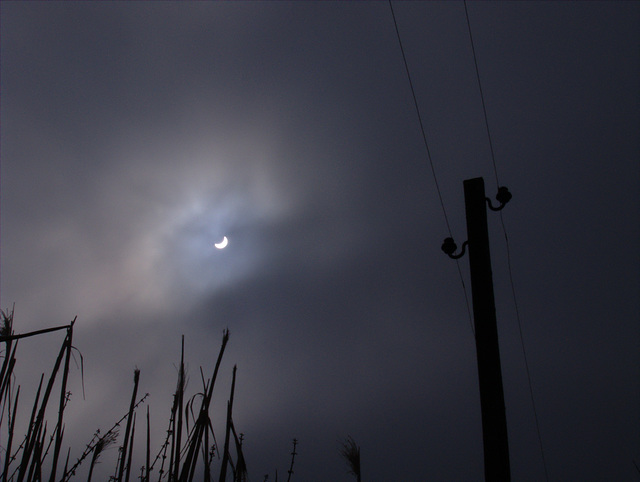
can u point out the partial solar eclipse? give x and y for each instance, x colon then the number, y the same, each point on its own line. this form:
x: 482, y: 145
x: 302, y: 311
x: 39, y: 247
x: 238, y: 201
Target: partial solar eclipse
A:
x: 222, y: 244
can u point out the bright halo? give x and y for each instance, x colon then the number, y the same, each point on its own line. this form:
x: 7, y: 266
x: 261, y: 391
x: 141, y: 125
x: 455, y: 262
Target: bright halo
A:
x: 222, y: 244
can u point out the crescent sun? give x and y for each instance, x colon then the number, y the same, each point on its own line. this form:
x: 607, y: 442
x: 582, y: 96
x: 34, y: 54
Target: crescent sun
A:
x: 222, y: 244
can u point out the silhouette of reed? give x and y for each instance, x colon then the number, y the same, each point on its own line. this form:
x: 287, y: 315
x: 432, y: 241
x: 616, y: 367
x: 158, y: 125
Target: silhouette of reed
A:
x: 351, y: 453
x: 28, y: 461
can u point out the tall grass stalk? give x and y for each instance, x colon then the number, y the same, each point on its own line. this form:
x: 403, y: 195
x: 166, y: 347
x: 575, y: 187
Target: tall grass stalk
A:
x: 240, y: 473
x: 32, y: 333
x: 63, y: 394
x: 167, y: 442
x: 90, y: 447
x: 66, y: 463
x: 293, y: 457
x: 12, y: 421
x: 206, y: 458
x: 130, y: 456
x: 5, y: 378
x: 171, y: 434
x: 225, y: 452
x: 100, y: 447
x: 41, y: 447
x: 35, y: 429
x: 31, y: 423
x: 351, y: 453
x: 34, y: 468
x: 180, y: 401
x: 6, y: 332
x: 202, y: 422
x: 127, y: 430
x: 145, y: 478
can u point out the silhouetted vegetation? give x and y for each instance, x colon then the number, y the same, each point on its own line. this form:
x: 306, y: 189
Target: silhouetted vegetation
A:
x: 351, y: 453
x: 177, y: 460
x: 40, y: 447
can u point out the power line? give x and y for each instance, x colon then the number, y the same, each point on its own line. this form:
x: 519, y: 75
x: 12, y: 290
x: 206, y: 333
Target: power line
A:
x: 422, y: 130
x: 484, y: 108
x: 524, y: 352
x: 506, y: 238
x: 433, y: 171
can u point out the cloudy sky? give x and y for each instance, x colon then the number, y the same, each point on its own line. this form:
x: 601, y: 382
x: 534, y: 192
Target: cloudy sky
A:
x: 136, y: 135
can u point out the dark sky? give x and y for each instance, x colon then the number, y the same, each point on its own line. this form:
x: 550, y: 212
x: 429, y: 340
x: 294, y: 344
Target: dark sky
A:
x: 136, y: 135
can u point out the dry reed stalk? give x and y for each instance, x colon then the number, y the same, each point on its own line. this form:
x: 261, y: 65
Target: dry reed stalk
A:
x: 351, y: 452
x: 63, y: 392
x: 233, y: 469
x: 30, y: 445
x: 293, y: 456
x: 35, y: 473
x: 206, y: 458
x: 37, y: 452
x: 127, y: 431
x: 51, y: 440
x: 133, y: 431
x: 175, y: 470
x: 34, y: 451
x: 163, y: 450
x: 225, y: 453
x: 171, y: 433
x: 148, y: 460
x: 5, y: 378
x: 6, y: 330
x: 31, y: 424
x: 33, y: 447
x: 12, y: 422
x: 202, y: 422
x: 240, y: 474
x: 101, y: 446
x: 91, y: 445
x: 32, y: 333
x: 66, y: 463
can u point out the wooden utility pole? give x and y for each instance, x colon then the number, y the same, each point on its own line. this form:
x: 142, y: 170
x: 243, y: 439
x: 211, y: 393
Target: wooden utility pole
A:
x: 494, y: 421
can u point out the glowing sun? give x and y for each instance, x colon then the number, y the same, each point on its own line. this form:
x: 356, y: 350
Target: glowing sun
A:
x: 222, y: 244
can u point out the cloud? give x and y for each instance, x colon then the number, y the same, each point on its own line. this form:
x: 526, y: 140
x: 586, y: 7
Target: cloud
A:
x: 134, y: 138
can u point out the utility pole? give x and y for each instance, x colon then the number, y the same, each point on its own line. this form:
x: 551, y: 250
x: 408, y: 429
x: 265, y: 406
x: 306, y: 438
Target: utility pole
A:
x: 494, y: 420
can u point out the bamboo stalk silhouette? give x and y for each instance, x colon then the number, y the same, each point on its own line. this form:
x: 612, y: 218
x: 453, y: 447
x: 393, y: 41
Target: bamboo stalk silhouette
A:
x: 202, y: 422
x: 127, y: 430
x: 63, y: 395
x: 225, y: 454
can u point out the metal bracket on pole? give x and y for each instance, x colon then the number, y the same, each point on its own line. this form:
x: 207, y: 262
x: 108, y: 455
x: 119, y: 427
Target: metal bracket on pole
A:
x: 503, y: 197
x: 449, y: 247
x: 494, y: 421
